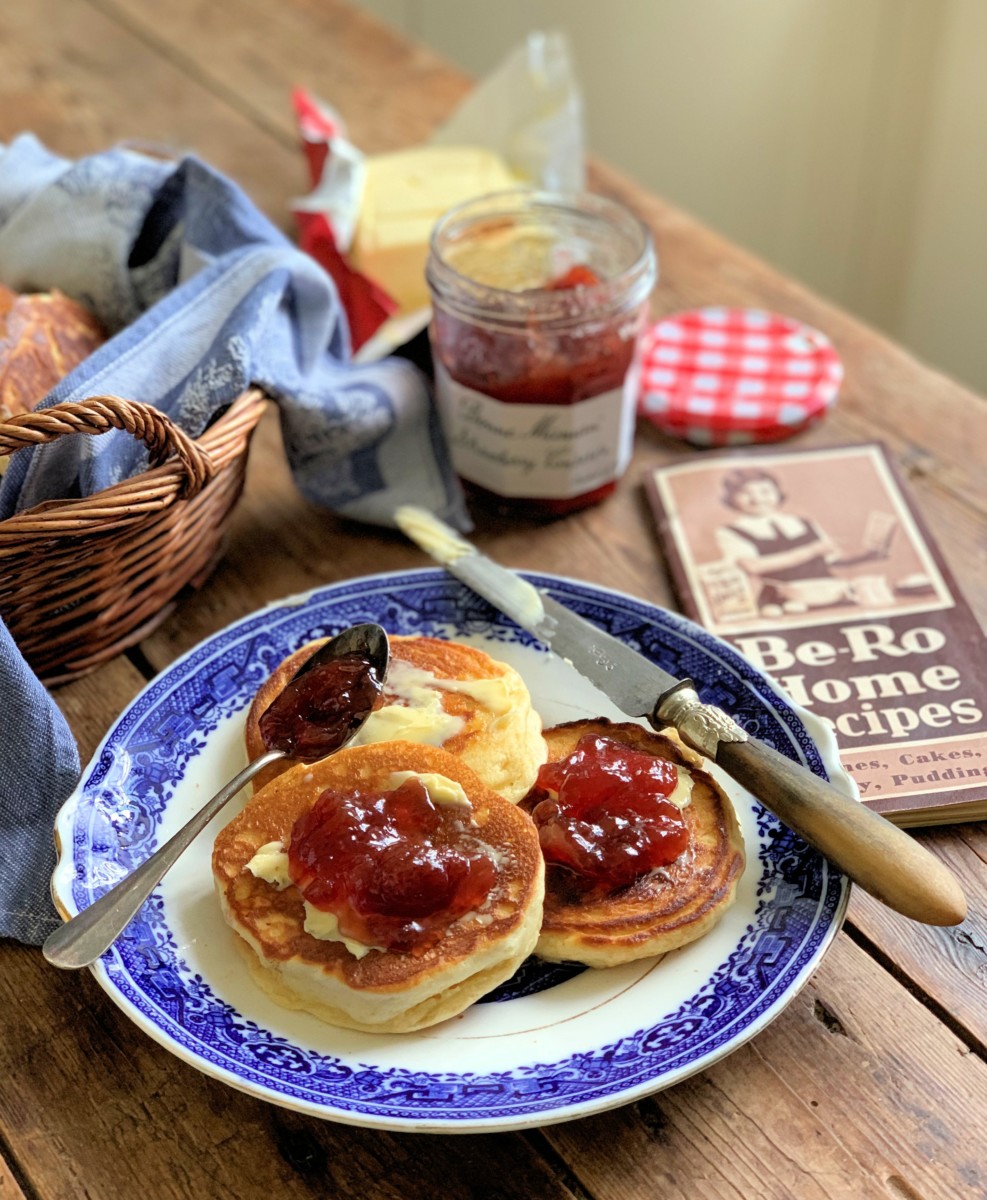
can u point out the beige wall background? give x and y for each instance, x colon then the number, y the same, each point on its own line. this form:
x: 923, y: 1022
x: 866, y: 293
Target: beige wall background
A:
x: 843, y: 140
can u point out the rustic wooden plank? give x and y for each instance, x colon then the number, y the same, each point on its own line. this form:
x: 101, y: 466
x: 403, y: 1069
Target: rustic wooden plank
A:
x: 855, y: 1091
x: 219, y: 81
x: 10, y: 1189
x: 854, y: 1086
x: 81, y: 81
x: 393, y: 92
x: 933, y: 426
x: 92, y: 1107
x: 320, y: 46
x: 947, y: 965
x: 921, y: 411
x: 613, y: 544
x: 305, y: 546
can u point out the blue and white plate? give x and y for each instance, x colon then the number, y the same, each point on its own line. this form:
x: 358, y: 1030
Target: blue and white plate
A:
x: 554, y: 1043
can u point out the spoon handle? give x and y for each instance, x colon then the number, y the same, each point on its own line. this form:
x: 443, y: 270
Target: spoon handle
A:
x: 80, y: 941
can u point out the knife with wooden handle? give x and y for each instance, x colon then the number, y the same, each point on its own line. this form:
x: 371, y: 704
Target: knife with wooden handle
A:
x: 875, y: 854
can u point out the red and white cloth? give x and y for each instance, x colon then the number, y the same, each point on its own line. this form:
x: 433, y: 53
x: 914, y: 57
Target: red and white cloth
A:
x: 321, y: 233
x: 728, y: 377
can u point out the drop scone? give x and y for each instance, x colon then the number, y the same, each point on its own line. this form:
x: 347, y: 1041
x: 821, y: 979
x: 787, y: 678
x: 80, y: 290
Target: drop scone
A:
x: 436, y: 693
x: 642, y: 847
x: 383, y: 889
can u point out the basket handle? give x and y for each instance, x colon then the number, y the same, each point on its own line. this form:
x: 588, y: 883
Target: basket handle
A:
x: 100, y: 414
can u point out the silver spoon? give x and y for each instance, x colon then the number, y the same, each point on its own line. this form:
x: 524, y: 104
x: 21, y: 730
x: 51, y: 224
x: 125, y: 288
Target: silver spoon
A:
x: 80, y: 941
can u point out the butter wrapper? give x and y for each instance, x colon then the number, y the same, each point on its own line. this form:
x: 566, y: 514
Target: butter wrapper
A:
x: 368, y: 219
x: 530, y: 112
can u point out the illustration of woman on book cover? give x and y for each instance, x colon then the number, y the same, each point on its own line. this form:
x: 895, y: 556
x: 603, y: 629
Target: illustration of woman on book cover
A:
x: 789, y: 557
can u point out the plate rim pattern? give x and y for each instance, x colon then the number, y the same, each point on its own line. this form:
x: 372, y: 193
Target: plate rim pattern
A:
x: 208, y: 1032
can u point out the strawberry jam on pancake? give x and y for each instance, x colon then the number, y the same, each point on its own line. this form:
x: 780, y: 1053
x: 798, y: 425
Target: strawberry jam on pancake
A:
x: 306, y: 956
x: 612, y: 910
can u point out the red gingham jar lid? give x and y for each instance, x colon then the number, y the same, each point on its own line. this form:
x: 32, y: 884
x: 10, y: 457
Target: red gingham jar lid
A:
x: 731, y: 376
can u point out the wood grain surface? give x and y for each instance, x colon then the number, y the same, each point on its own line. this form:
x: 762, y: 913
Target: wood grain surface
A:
x: 872, y: 1083
x: 10, y: 1189
x: 772, y: 1121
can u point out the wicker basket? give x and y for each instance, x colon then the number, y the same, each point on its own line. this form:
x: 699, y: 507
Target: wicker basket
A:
x: 81, y: 580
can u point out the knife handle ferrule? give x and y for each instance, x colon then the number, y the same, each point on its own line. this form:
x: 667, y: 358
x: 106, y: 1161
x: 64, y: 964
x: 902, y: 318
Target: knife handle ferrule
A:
x: 883, y: 860
x: 701, y: 726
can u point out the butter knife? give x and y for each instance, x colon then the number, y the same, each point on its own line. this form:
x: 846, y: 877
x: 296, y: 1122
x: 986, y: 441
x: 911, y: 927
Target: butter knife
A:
x: 884, y: 860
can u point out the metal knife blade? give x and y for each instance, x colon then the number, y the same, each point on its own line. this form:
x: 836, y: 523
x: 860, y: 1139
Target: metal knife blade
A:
x: 633, y: 683
x: 875, y: 854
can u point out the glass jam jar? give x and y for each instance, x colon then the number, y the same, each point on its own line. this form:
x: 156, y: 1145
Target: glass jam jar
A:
x: 539, y: 300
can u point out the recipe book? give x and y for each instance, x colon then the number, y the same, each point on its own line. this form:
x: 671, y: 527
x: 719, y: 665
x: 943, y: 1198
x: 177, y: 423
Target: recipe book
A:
x: 817, y: 567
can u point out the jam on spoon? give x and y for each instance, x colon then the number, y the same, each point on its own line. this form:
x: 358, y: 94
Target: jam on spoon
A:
x: 395, y: 868
x: 603, y: 813
x: 80, y: 941
x: 322, y: 707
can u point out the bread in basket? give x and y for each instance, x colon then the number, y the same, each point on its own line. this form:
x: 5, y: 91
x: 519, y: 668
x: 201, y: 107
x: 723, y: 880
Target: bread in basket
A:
x: 81, y: 579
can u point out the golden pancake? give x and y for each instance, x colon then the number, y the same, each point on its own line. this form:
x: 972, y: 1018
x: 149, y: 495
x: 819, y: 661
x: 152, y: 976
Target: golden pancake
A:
x: 382, y: 991
x: 665, y: 908
x: 436, y: 693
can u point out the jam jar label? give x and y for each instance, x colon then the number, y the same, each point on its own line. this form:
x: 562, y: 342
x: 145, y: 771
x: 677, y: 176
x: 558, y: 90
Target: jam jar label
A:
x: 541, y: 451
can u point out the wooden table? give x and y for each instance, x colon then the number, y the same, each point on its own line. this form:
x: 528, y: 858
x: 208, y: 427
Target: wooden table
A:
x: 871, y: 1084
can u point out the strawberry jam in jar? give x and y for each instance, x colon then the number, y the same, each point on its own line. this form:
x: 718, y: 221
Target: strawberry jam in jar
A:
x: 539, y: 301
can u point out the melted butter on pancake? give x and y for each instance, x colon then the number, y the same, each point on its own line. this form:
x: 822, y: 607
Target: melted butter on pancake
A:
x: 425, y: 724
x: 325, y: 926
x: 412, y: 683
x: 492, y: 694
x: 420, y: 716
x: 681, y: 794
x: 270, y: 863
x: 442, y: 791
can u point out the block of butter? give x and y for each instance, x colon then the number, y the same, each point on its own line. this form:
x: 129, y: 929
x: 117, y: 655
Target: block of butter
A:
x: 404, y: 195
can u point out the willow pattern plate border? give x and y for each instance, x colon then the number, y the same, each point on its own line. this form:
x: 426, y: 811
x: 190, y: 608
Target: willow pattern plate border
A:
x: 560, y: 1043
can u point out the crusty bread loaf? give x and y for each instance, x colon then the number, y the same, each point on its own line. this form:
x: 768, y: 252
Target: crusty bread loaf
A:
x: 42, y: 338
